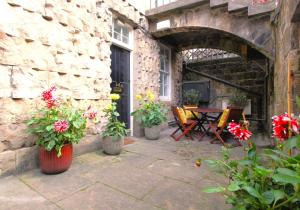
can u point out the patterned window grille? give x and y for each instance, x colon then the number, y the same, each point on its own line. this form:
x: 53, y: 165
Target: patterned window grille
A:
x: 206, y: 54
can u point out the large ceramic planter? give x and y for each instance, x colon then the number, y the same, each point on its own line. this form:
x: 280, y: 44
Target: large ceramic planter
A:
x: 112, y: 145
x: 51, y: 164
x: 153, y: 132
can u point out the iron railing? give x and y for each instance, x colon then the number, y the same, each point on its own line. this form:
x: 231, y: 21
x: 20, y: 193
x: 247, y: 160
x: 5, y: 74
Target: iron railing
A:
x: 205, y: 54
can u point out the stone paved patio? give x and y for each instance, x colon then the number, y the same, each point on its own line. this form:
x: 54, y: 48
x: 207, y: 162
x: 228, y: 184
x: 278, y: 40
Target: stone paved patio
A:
x: 147, y: 175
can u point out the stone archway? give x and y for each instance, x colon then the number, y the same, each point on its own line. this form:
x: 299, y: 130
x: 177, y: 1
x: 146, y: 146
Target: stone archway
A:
x: 198, y: 23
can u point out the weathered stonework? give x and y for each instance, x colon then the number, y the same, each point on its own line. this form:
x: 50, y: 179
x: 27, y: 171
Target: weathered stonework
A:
x: 204, y: 27
x: 287, y: 50
x: 66, y: 43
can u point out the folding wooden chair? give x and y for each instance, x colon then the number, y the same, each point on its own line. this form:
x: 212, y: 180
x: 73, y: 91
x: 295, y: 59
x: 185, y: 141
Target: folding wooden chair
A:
x: 228, y: 115
x: 184, y: 125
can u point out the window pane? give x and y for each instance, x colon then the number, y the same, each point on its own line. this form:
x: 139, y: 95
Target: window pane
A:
x: 117, y: 28
x: 125, y: 39
x: 162, y: 64
x: 117, y: 36
x: 125, y: 32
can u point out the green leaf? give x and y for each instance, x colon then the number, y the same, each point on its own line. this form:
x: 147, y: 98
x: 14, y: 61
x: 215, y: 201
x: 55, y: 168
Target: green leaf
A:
x: 49, y: 127
x: 286, y: 178
x: 278, y: 194
x: 263, y: 171
x: 213, y: 189
x: 50, y: 145
x: 252, y: 192
x: 292, y: 143
x: 269, y: 196
x: 233, y: 187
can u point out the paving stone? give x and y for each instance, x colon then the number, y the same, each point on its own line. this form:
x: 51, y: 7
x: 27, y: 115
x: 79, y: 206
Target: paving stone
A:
x: 101, y: 197
x: 55, y: 187
x: 133, y: 181
x: 174, y: 195
x: 14, y: 194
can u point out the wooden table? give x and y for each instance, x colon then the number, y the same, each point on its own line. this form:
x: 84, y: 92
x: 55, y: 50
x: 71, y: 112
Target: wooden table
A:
x: 205, y: 117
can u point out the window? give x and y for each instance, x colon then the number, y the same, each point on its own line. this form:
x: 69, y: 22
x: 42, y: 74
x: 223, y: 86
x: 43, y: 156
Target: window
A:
x: 165, y: 81
x: 120, y: 32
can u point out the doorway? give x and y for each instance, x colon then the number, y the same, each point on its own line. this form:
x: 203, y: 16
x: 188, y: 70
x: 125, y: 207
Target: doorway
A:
x: 120, y: 66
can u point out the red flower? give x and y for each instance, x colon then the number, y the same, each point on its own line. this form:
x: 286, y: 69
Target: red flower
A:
x: 240, y: 133
x: 61, y: 126
x: 281, y: 126
x: 49, y: 98
x: 92, y: 115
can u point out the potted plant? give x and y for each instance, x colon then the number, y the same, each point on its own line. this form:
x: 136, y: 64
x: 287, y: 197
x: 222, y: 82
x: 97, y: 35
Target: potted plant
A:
x: 58, y: 126
x: 238, y: 100
x: 114, y: 132
x: 191, y: 97
x: 151, y: 114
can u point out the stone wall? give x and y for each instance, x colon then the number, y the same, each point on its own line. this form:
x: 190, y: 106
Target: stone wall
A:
x: 287, y: 49
x: 145, y: 69
x: 236, y: 71
x: 66, y: 43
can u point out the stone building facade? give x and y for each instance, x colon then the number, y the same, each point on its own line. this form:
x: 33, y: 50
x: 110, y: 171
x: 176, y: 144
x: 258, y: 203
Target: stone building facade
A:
x: 68, y: 43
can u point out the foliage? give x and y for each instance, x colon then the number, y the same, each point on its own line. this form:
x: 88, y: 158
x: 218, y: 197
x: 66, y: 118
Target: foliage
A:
x: 270, y: 180
x: 238, y: 99
x: 114, y: 127
x: 59, y: 123
x: 150, y: 113
x: 191, y: 97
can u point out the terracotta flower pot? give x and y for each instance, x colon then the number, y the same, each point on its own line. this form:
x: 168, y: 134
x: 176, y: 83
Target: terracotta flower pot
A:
x: 51, y: 164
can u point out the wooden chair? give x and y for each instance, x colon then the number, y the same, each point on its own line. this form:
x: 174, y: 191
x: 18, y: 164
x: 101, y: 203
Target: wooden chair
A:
x: 228, y: 115
x: 184, y: 125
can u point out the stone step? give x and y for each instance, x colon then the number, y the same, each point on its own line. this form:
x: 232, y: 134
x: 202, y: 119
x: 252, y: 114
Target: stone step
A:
x: 261, y: 9
x: 218, y: 3
x: 237, y: 6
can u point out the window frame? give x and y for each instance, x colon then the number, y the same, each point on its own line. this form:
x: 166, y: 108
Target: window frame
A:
x: 166, y: 97
x: 129, y: 45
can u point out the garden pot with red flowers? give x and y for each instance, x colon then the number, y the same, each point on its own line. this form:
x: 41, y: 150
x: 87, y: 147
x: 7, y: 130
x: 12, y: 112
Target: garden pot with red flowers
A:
x: 58, y: 126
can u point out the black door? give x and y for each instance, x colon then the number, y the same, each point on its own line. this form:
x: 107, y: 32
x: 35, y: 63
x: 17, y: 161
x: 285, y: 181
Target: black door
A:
x: 120, y: 65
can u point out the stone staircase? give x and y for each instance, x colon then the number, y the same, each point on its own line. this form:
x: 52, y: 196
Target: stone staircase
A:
x: 245, y: 6
x: 233, y: 6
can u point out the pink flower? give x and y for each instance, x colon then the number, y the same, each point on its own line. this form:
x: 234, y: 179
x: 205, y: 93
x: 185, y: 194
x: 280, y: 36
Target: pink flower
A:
x: 61, y: 126
x: 49, y: 98
x: 281, y: 126
x: 240, y: 133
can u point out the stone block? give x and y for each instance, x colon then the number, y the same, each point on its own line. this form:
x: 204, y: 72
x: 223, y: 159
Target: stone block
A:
x: 3, y: 147
x: 28, y: 83
x: 16, y: 136
x: 26, y: 159
x: 7, y: 162
x: 75, y: 22
x: 15, y: 3
x: 90, y: 143
x: 5, y: 87
x: 33, y: 6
